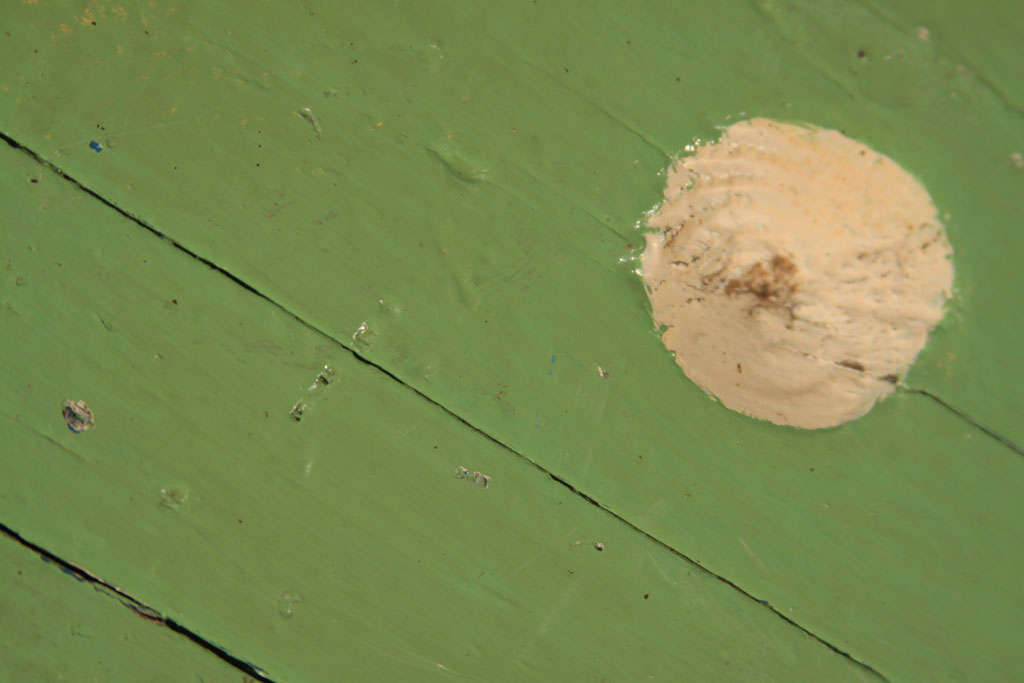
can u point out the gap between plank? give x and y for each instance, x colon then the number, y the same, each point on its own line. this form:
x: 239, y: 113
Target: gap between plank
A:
x: 241, y: 283
x: 966, y: 418
x: 134, y: 604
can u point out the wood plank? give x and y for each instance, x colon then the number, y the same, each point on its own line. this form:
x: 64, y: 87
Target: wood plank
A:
x: 347, y: 544
x: 53, y: 628
x: 518, y: 145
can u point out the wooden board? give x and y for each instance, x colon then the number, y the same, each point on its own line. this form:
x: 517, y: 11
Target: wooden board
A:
x: 465, y: 179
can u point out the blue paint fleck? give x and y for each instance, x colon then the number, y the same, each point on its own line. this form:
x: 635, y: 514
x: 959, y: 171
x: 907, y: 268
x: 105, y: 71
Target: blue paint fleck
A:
x: 96, y: 146
x: 77, y: 576
x: 552, y: 363
x: 77, y: 416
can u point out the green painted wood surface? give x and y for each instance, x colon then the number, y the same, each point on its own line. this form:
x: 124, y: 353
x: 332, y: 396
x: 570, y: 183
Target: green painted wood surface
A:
x: 519, y: 144
x: 466, y: 185
x: 54, y: 628
x: 339, y: 547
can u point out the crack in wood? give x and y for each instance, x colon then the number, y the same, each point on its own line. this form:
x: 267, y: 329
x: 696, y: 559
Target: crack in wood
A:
x: 134, y: 604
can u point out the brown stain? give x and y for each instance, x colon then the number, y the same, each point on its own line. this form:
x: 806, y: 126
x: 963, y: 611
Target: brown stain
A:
x: 852, y: 364
x: 771, y: 283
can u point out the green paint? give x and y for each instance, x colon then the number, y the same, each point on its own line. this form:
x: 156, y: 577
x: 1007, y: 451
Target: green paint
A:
x: 474, y: 183
x: 53, y: 628
x: 361, y: 542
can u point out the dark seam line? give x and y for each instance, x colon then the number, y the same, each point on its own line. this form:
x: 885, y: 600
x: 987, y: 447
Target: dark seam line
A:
x: 434, y: 402
x: 135, y: 219
x: 137, y: 606
x: 708, y: 572
x: 967, y: 418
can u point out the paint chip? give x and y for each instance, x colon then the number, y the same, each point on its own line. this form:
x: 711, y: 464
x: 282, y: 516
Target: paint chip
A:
x: 77, y: 416
x: 307, y: 114
x: 793, y: 271
x: 287, y: 603
x: 173, y: 497
x: 475, y: 478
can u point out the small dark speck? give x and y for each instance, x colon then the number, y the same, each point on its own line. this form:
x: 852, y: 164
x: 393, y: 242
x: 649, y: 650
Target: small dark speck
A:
x: 174, y: 301
x: 646, y: 595
x: 34, y: 180
x: 891, y: 379
x: 629, y: 42
x: 812, y: 469
x: 239, y: 521
x: 678, y: 79
x: 566, y: 69
x: 862, y: 54
x: 93, y: 23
